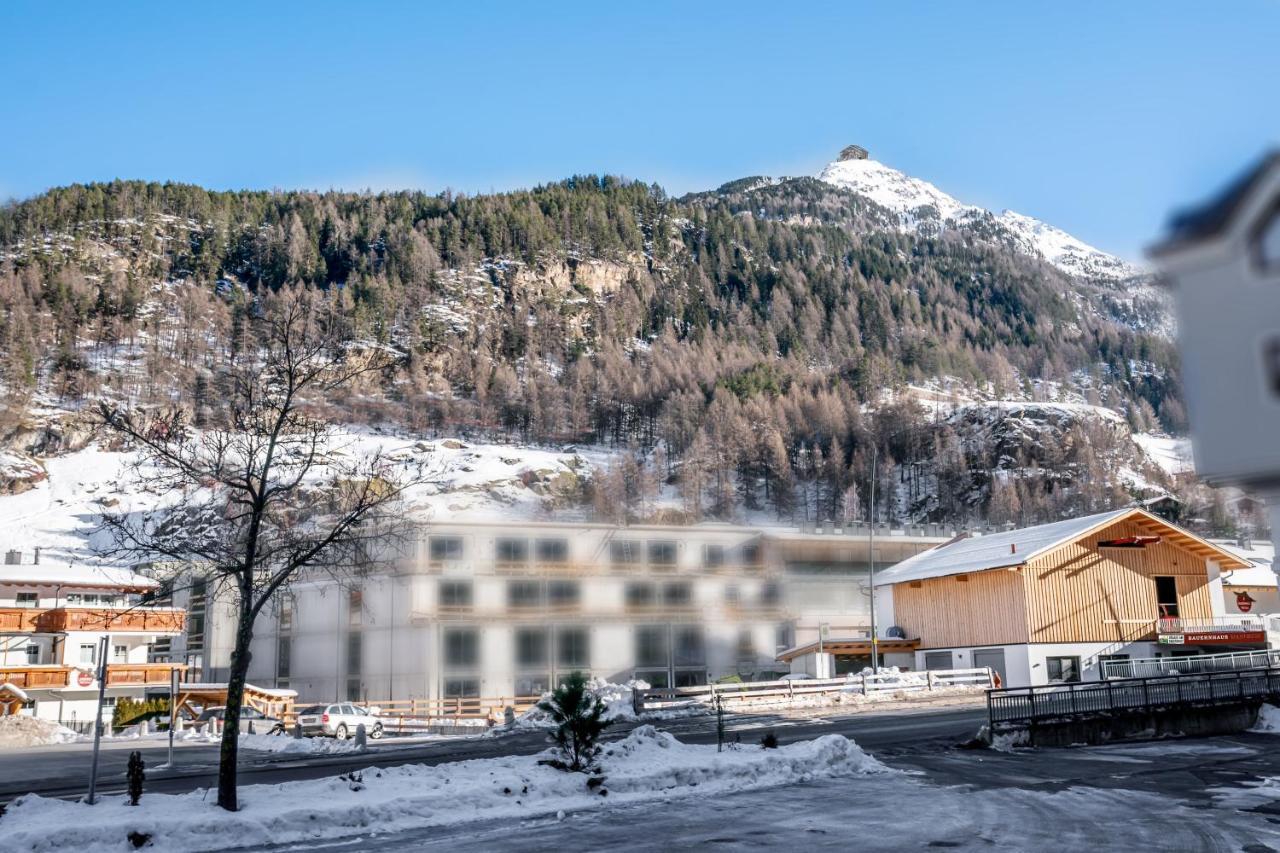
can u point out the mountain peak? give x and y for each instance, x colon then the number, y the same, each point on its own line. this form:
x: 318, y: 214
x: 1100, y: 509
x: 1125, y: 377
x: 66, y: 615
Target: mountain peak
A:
x: 919, y: 203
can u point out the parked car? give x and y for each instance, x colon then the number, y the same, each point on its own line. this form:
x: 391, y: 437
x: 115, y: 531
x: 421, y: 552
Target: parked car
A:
x: 262, y: 724
x: 339, y: 720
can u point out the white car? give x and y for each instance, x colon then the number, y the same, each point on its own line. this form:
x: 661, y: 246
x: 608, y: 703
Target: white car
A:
x: 339, y: 720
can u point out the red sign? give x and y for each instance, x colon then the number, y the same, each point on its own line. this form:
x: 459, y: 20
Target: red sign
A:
x: 1244, y: 601
x: 1217, y: 637
x: 84, y: 678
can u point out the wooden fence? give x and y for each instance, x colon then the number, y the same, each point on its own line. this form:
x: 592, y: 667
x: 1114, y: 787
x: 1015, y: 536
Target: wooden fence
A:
x: 788, y: 690
x: 414, y: 715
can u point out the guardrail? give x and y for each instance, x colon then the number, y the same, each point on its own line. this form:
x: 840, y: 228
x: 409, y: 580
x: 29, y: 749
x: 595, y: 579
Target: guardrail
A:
x: 787, y: 690
x: 1190, y: 664
x: 1016, y: 706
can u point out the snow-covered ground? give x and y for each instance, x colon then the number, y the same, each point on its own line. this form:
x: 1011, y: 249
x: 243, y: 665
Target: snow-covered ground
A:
x: 61, y: 514
x: 647, y: 765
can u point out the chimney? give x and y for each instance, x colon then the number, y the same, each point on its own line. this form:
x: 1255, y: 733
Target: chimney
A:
x: 1013, y: 547
x: 36, y: 561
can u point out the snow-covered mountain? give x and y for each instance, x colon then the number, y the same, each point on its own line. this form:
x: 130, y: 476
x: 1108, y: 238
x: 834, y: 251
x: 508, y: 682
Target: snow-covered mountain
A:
x: 919, y: 204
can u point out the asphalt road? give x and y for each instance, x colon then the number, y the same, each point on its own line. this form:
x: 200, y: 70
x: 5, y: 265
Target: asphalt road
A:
x: 63, y: 771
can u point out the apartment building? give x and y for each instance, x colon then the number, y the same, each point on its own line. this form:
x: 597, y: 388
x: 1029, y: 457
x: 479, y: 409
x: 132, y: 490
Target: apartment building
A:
x: 506, y: 609
x: 1053, y: 603
x: 52, y: 620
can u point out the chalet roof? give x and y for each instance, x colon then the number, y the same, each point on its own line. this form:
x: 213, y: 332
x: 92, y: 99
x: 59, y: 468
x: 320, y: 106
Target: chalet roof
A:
x: 1210, y: 219
x: 1016, y: 547
x: 92, y: 577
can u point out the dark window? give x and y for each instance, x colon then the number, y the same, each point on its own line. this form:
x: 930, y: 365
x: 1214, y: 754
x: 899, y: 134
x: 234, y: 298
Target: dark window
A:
x: 732, y: 595
x: 353, y: 690
x: 752, y: 555
x: 624, y: 552
x: 286, y: 613
x: 662, y: 552
x: 563, y: 593
x: 713, y: 556
x: 533, y: 685
x: 524, y: 593
x: 690, y: 649
x: 1167, y: 596
x: 461, y: 688
x: 1063, y: 670
x: 284, y: 649
x: 746, y: 645
x: 355, y: 605
x: 355, y: 647
x: 455, y: 593
x: 770, y: 594
x: 446, y: 547
x: 651, y: 646
x: 641, y: 595
x: 513, y: 550
x: 531, y: 647
x: 677, y: 594
x: 28, y: 599
x: 553, y: 550
x: 461, y: 647
x: 689, y: 678
x: 573, y: 648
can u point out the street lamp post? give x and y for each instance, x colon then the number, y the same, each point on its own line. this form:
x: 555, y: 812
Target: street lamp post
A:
x: 871, y: 582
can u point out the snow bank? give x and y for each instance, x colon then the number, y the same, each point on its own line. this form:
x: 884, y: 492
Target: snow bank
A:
x: 646, y: 765
x: 297, y: 746
x: 1268, y: 720
x: 19, y: 731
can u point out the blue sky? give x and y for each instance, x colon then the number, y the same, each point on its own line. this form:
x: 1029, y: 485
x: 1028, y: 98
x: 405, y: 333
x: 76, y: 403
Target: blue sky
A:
x: 1097, y: 117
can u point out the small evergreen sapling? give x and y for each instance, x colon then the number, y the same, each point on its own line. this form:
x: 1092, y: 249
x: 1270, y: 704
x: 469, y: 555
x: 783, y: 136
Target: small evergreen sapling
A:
x: 579, y: 719
x: 137, y: 774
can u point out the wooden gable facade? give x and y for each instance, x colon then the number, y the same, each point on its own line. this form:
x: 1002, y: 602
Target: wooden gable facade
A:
x: 1075, y: 592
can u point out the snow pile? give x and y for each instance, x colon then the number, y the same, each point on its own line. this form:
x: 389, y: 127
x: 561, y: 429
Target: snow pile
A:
x: 286, y: 745
x: 617, y: 698
x: 19, y: 731
x: 1268, y: 720
x: 920, y: 205
x: 647, y: 765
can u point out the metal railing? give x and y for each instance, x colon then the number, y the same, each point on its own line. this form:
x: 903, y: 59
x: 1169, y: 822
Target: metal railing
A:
x: 1190, y: 664
x: 1217, y: 624
x: 1029, y: 705
x: 787, y: 690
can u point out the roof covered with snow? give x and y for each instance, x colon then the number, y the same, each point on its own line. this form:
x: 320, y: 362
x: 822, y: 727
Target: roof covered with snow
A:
x: 1259, y: 555
x: 1016, y: 547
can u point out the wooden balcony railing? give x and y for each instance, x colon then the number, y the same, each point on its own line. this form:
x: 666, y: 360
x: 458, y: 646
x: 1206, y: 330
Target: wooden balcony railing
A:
x: 124, y: 674
x: 160, y: 620
x: 36, y: 677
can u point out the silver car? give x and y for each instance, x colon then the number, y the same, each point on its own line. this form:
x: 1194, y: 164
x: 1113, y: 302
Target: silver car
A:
x: 210, y: 719
x: 339, y: 720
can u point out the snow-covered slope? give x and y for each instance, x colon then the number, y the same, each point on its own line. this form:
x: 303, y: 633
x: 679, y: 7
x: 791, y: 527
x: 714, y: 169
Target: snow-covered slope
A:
x: 920, y: 203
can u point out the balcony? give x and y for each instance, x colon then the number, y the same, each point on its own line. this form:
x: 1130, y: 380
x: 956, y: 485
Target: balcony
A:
x: 31, y: 620
x: 36, y: 677
x: 1211, y: 630
x: 130, y: 674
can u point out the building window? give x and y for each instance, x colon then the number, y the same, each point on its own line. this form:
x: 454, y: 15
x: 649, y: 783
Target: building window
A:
x: 752, y: 555
x: 88, y: 653
x: 573, y: 648
x: 563, y: 594
x: 445, y: 547
x: 355, y: 649
x: 286, y: 613
x: 690, y: 649
x: 713, y: 556
x: 677, y: 594
x: 662, y: 552
x: 1167, y: 597
x: 1063, y: 670
x: 512, y: 550
x: 533, y: 685
x: 524, y: 594
x: 1119, y: 671
x: 353, y: 689
x: 746, y: 645
x: 28, y: 599
x: 624, y: 552
x: 531, y: 648
x: 455, y: 593
x: 651, y: 646
x: 461, y: 688
x: 120, y: 654
x: 641, y: 595
x: 33, y: 655
x: 731, y: 595
x: 770, y: 594
x: 461, y: 647
x: 355, y: 605
x: 782, y: 637
x: 553, y: 550
x: 284, y: 650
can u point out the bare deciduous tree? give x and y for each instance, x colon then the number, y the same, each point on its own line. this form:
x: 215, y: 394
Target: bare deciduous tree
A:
x: 266, y: 491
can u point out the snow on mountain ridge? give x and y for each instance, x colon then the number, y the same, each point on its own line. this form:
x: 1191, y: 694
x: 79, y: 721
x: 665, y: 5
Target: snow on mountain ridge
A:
x: 906, y: 196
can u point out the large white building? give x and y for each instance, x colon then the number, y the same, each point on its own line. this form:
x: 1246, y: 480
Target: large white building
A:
x: 52, y: 621
x: 505, y: 609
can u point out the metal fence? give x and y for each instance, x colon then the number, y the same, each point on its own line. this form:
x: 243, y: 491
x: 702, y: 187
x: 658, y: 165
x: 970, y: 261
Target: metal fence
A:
x: 788, y: 690
x: 1191, y: 664
x: 1029, y: 705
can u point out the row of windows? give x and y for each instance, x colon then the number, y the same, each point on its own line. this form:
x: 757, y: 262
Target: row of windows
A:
x: 74, y: 599
x: 533, y: 647
x: 460, y: 594
x: 622, y: 552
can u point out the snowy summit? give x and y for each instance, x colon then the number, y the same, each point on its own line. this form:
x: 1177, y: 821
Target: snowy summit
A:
x: 919, y: 203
